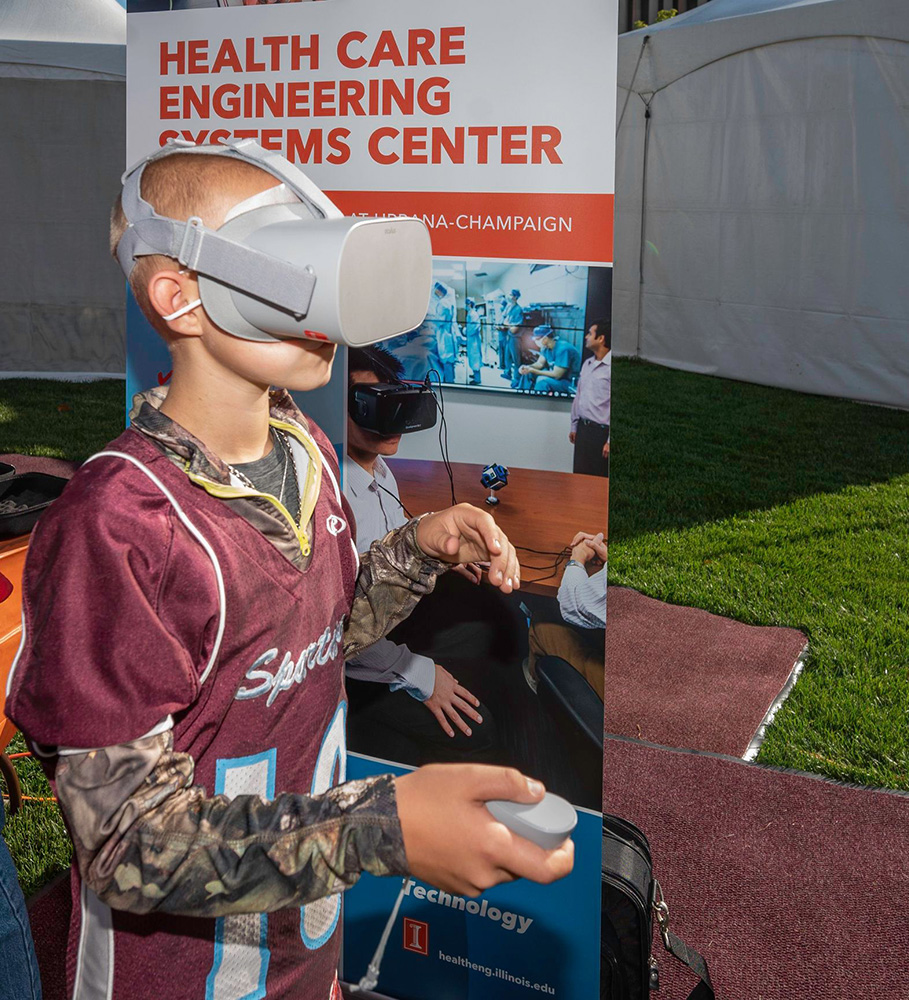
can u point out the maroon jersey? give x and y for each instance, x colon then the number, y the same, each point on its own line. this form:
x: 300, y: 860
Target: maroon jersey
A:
x: 157, y: 605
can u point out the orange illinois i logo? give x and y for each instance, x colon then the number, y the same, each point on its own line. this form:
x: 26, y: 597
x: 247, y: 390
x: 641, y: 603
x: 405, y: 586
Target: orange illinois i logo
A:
x: 416, y: 936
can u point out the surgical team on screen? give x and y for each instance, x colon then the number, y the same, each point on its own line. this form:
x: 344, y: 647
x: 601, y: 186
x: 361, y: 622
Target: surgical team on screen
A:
x: 529, y: 357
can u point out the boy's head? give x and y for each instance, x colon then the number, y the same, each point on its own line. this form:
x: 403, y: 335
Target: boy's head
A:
x: 371, y: 365
x: 180, y: 186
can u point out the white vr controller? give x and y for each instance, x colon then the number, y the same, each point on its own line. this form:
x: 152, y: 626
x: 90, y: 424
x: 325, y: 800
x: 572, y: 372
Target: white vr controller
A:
x: 547, y: 823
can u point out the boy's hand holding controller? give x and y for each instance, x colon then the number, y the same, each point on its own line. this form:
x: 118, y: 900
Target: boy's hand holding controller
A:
x: 453, y: 841
x: 465, y: 534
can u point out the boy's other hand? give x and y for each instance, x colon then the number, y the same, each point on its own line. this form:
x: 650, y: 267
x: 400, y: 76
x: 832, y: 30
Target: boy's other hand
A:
x: 464, y: 534
x: 449, y: 700
x: 454, y: 842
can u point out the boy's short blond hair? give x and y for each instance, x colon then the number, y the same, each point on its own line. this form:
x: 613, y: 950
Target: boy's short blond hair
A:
x: 180, y: 186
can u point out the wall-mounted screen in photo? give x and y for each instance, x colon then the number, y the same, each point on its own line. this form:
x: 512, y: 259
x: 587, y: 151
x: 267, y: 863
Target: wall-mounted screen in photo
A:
x: 503, y: 325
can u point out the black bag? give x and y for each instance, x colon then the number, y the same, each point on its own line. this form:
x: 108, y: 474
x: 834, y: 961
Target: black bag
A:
x: 24, y: 498
x: 631, y: 898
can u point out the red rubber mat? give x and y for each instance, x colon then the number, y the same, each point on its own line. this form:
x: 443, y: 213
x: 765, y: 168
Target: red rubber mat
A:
x: 682, y: 677
x: 790, y: 886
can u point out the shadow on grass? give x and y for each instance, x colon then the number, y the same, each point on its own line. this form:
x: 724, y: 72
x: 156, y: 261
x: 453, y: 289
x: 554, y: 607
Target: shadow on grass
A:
x: 69, y: 420
x: 688, y: 449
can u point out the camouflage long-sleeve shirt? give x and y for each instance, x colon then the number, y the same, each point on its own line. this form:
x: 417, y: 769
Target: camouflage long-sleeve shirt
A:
x: 148, y: 835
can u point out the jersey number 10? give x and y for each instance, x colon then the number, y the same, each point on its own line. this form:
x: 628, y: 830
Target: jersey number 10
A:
x: 240, y: 964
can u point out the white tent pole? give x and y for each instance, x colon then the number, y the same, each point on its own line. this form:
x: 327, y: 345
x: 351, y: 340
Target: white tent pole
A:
x: 630, y: 89
x: 647, y: 104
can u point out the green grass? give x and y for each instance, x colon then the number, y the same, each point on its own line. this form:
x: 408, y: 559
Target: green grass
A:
x: 59, y: 419
x: 772, y: 507
x: 36, y: 836
x: 778, y: 508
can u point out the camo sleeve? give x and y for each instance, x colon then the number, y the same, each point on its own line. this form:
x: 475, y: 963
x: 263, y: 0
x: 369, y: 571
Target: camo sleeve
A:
x: 394, y: 574
x: 146, y: 839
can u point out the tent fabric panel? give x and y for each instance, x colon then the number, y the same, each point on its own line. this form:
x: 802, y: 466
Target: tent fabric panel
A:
x: 838, y: 352
x: 722, y: 28
x: 62, y: 60
x: 101, y: 21
x: 41, y: 338
x: 27, y: 71
x: 62, y: 298
x: 781, y: 229
x: 682, y: 253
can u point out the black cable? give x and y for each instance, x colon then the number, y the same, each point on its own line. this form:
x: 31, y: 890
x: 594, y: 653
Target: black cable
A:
x: 399, y: 501
x: 554, y: 572
x: 443, y: 430
x: 542, y: 552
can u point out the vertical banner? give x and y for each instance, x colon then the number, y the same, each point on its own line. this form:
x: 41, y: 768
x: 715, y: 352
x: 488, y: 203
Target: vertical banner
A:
x: 494, y: 123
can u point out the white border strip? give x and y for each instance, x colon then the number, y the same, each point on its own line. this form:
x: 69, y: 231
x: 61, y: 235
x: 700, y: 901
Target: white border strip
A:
x: 95, y: 962
x: 15, y: 663
x: 755, y: 745
x: 326, y: 465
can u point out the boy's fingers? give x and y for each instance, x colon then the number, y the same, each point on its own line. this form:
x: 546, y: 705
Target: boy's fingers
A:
x: 527, y: 860
x: 493, y: 538
x: 506, y: 570
x: 505, y: 783
x: 514, y: 567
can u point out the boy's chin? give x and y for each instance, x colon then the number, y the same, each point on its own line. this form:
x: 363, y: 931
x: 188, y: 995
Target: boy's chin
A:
x: 315, y: 369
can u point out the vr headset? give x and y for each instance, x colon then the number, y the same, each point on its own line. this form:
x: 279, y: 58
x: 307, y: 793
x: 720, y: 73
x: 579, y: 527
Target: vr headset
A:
x: 289, y: 265
x: 391, y: 408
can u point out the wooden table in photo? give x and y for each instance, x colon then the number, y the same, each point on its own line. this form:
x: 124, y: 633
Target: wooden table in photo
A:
x: 537, y: 509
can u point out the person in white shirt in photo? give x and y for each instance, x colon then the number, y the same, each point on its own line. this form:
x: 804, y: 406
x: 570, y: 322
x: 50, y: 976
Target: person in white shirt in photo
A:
x: 578, y: 636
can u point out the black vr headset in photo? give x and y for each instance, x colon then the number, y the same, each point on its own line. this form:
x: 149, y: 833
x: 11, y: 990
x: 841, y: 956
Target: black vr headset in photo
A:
x: 390, y: 408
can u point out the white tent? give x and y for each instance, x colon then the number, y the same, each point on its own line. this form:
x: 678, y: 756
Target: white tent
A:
x: 762, y: 195
x: 62, y: 105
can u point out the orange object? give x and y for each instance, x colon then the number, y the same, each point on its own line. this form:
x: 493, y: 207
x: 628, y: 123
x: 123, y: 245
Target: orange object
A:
x: 12, y: 562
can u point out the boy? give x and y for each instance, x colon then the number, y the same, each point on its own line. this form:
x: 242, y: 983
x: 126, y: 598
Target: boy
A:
x: 184, y: 632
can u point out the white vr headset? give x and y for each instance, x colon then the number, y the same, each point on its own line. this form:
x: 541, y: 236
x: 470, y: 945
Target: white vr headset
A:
x: 287, y: 263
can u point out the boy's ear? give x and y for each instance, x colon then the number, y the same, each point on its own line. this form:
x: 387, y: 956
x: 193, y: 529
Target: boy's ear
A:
x: 168, y: 292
